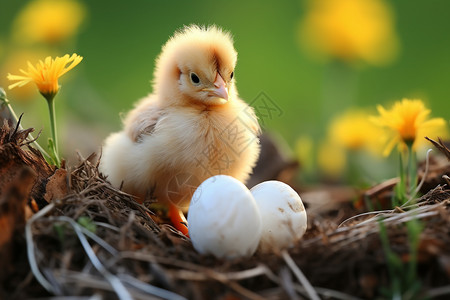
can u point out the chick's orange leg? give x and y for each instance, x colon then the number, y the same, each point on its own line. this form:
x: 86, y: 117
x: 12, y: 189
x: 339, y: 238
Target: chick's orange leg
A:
x: 178, y: 220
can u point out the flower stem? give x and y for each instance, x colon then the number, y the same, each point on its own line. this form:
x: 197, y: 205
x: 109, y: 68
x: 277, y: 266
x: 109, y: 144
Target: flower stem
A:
x: 54, y: 145
x: 412, y: 169
x: 400, y: 188
x: 405, y: 189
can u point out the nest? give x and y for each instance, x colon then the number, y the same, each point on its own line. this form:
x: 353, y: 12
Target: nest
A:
x: 84, y: 237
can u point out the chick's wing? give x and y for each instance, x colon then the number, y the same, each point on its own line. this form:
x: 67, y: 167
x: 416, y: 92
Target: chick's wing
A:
x: 142, y: 119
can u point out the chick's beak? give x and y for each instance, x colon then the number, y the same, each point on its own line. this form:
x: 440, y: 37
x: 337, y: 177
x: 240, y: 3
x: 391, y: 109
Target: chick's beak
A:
x: 219, y: 90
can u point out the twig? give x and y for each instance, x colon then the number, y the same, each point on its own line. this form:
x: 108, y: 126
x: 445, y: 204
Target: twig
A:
x: 30, y: 248
x: 440, y: 146
x: 287, y: 283
x: 300, y: 276
x: 257, y: 271
x: 335, y: 294
x: 149, y: 289
x: 107, y: 225
x: 99, y: 240
x: 117, y: 285
x: 322, y: 291
x: 393, y: 217
x: 436, y: 292
x: 207, y: 274
x: 89, y: 281
x: 365, y: 214
x: 225, y: 278
x: 244, y: 292
x: 124, y: 229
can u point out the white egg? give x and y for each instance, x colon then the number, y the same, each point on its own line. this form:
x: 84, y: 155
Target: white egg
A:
x: 283, y: 215
x: 223, y: 218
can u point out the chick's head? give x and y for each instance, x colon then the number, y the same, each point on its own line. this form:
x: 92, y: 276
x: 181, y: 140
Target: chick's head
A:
x: 197, y: 65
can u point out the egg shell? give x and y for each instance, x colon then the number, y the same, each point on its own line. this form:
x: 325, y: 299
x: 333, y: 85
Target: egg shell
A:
x: 223, y: 218
x: 283, y: 215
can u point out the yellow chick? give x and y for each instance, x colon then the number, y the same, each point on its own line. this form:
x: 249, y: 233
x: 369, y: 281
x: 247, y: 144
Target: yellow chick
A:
x: 193, y: 126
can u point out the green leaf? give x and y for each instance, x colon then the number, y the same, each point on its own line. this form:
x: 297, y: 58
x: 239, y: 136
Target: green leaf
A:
x: 52, y: 152
x: 87, y: 223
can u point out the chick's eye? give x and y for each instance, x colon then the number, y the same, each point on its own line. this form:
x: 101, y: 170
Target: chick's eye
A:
x: 232, y: 74
x: 194, y: 78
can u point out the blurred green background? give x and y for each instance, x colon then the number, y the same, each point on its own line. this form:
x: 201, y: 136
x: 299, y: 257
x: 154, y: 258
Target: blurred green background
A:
x: 119, y: 41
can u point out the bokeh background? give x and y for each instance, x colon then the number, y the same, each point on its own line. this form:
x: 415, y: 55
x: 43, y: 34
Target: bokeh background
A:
x: 301, y: 63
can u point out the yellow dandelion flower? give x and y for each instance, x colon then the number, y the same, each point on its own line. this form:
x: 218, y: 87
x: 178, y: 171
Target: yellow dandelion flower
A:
x: 331, y: 159
x: 45, y: 74
x: 14, y: 61
x: 49, y: 21
x: 350, y: 30
x: 407, y: 123
x: 354, y: 131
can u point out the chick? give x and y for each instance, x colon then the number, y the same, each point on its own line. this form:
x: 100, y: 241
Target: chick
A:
x: 193, y: 125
